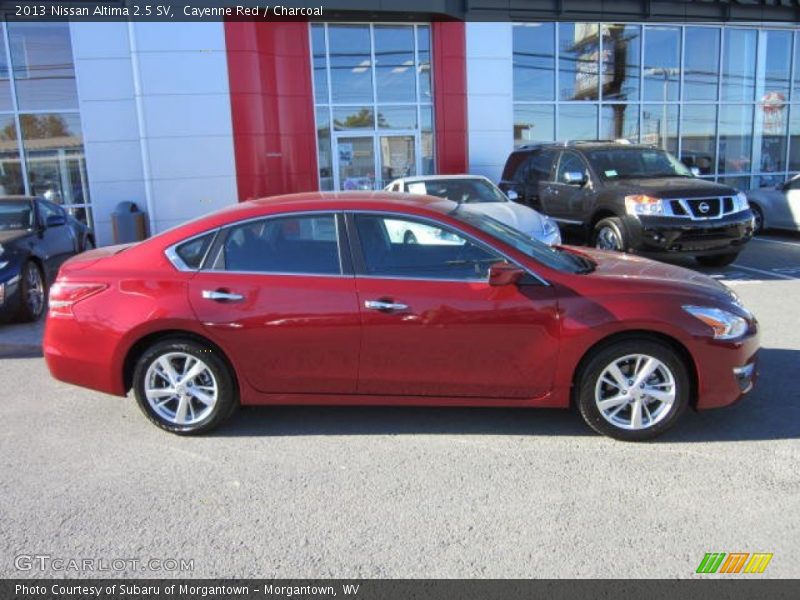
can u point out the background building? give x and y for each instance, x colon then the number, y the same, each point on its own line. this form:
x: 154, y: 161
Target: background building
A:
x: 185, y: 118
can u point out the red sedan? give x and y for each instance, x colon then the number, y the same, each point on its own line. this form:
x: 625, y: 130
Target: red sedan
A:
x: 310, y: 299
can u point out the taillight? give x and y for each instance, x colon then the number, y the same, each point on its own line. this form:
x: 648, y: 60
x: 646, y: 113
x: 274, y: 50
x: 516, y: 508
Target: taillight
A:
x: 64, y: 295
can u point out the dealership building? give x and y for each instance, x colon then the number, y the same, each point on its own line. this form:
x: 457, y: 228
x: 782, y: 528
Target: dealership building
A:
x: 184, y: 118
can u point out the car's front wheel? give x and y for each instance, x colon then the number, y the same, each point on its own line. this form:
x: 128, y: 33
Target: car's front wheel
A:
x: 717, y: 260
x: 33, y: 293
x: 633, y: 390
x: 758, y: 218
x: 609, y: 234
x: 184, y: 386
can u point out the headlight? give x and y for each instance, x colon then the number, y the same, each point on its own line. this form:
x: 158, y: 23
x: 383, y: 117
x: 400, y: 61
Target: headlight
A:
x: 550, y: 230
x: 740, y: 202
x: 643, y: 205
x: 726, y: 326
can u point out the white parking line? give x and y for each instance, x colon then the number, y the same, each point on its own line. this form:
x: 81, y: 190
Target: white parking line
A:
x: 763, y: 272
x: 781, y: 242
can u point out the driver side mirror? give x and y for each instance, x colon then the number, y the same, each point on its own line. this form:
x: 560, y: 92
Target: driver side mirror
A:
x: 575, y: 178
x: 55, y: 221
x: 695, y: 171
x: 503, y: 273
x: 512, y: 195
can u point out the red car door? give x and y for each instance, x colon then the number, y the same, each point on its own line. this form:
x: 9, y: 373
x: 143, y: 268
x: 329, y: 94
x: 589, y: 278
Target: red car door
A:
x: 433, y: 326
x: 274, y: 293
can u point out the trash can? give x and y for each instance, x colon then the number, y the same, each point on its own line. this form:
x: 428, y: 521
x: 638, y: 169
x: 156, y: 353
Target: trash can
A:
x: 128, y: 223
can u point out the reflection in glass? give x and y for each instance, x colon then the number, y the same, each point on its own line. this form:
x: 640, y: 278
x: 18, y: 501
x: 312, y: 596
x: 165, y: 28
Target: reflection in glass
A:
x: 578, y: 61
x: 771, y: 135
x: 737, y: 183
x: 699, y: 137
x: 397, y: 157
x: 621, y: 58
x: 424, y: 58
x: 356, y: 160
x: 348, y: 117
x: 397, y: 117
x: 619, y: 121
x: 426, y: 140
x: 577, y: 122
x: 794, y: 137
x: 534, y: 61
x: 735, y: 138
x: 324, y: 158
x: 351, y: 63
x: 5, y: 84
x: 662, y: 60
x: 533, y: 123
x: 320, y: 66
x: 739, y: 65
x: 660, y: 126
x: 41, y: 56
x: 701, y: 63
x: 395, y: 77
x: 55, y: 161
x: 11, y: 182
x: 774, y: 83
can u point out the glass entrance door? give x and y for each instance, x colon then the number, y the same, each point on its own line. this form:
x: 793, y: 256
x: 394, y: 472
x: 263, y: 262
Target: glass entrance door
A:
x: 371, y: 162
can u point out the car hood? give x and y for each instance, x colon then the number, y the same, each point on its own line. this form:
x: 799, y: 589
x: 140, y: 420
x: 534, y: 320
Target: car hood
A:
x: 626, y: 272
x: 512, y: 214
x: 7, y: 237
x: 671, y: 187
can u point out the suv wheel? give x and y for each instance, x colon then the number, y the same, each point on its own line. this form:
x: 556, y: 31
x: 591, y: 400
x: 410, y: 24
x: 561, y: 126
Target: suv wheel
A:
x: 184, y: 386
x: 633, y: 390
x: 609, y: 234
x: 717, y: 260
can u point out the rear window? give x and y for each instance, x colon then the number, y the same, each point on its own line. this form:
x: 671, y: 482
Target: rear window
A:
x: 512, y: 164
x: 193, y: 251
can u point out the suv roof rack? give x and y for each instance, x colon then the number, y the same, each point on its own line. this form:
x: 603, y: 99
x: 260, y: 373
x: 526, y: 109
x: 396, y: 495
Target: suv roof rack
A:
x: 568, y: 143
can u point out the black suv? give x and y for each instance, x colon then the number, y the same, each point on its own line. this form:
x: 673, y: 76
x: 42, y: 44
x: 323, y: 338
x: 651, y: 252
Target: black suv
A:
x: 630, y: 197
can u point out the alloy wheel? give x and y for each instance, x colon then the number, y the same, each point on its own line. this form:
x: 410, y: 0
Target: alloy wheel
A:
x: 607, y: 239
x: 635, y: 392
x: 181, y: 388
x: 34, y: 287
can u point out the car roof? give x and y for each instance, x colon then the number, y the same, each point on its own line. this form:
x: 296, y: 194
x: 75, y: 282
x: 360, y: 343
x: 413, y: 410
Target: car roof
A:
x: 583, y: 144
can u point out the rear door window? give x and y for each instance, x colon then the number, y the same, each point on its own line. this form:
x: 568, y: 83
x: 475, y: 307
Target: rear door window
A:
x: 569, y: 163
x: 539, y: 167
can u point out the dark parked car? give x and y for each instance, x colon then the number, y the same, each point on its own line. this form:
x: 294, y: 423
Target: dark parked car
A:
x: 631, y: 198
x: 36, y: 237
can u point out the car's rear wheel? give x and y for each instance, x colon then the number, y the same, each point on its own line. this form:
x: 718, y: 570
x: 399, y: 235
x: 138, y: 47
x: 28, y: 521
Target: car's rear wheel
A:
x: 717, y: 260
x: 758, y: 217
x: 184, y: 386
x: 33, y: 293
x: 609, y: 234
x: 633, y: 390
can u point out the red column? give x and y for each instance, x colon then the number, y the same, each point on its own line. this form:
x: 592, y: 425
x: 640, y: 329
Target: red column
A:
x: 272, y: 105
x: 450, y: 96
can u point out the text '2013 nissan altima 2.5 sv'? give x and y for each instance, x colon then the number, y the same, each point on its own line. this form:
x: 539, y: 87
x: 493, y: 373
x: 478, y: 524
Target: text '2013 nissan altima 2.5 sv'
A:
x: 306, y: 299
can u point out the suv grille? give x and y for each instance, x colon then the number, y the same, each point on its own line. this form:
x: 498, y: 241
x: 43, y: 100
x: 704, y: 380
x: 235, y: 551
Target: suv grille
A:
x: 702, y: 208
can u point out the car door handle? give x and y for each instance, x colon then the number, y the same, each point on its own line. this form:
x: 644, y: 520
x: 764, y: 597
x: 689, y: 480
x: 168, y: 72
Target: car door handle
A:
x: 383, y: 305
x: 220, y: 296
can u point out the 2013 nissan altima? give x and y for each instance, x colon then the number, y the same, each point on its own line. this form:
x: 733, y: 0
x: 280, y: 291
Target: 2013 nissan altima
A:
x: 306, y: 299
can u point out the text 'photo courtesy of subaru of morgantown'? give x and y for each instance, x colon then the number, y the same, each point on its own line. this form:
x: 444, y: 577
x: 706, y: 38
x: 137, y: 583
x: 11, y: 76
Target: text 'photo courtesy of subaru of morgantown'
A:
x: 633, y: 198
x: 311, y: 299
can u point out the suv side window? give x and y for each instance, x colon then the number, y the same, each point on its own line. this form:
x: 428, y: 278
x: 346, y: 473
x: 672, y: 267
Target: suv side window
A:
x: 294, y: 245
x: 570, y: 162
x: 539, y: 166
x: 395, y: 246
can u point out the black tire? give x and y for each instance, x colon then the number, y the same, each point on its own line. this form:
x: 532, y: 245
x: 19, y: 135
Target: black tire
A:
x: 593, y: 368
x: 614, y: 229
x: 759, y: 218
x: 28, y: 310
x: 409, y: 238
x: 227, y: 393
x: 89, y: 244
x: 717, y: 260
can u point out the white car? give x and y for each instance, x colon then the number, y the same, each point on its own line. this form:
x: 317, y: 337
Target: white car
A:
x: 475, y: 193
x: 776, y: 207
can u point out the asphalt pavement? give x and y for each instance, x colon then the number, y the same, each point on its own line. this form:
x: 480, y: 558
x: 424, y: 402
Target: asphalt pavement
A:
x: 390, y: 492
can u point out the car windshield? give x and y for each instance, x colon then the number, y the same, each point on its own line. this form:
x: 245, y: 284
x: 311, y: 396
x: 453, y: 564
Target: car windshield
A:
x: 636, y: 163
x: 16, y: 215
x: 554, y: 258
x: 466, y: 191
